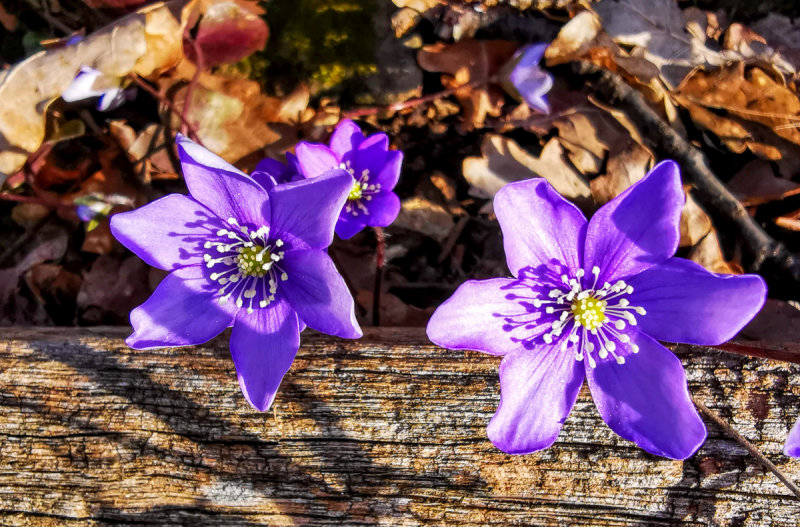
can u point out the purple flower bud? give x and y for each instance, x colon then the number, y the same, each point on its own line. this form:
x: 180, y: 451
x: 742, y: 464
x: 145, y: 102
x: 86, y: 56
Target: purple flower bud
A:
x: 531, y: 81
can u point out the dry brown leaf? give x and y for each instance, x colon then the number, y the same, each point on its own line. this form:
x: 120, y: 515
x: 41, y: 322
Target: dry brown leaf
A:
x: 231, y: 115
x: 783, y: 33
x: 27, y: 89
x: 147, y: 151
x: 7, y: 20
x: 708, y: 253
x: 228, y: 30
x: 659, y: 30
x: 756, y: 183
x: 778, y: 321
x: 421, y: 215
x: 583, y: 38
x: 746, y: 108
x: 470, y: 61
x: 504, y: 161
x: 695, y: 224
x: 100, y: 304
x: 627, y: 164
x: 417, y: 5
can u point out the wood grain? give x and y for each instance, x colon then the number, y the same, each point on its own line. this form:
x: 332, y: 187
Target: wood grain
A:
x: 388, y: 430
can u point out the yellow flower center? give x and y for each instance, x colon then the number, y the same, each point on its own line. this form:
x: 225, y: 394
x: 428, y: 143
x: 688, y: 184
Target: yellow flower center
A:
x: 356, y: 192
x: 251, y: 260
x: 589, y: 312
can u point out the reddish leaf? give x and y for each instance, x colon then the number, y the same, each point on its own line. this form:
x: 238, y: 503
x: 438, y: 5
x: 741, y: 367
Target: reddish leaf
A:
x: 227, y: 32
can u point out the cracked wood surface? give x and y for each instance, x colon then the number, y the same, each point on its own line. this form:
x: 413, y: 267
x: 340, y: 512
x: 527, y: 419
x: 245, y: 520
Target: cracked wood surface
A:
x: 388, y: 430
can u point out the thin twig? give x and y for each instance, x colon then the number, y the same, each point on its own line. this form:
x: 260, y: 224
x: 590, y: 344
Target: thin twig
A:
x: 768, y: 256
x: 191, y: 132
x: 198, y: 68
x: 380, y: 260
x: 747, y: 445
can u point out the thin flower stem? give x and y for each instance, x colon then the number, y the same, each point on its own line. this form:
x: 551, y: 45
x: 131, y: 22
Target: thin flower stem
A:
x: 198, y: 65
x: 380, y: 260
x: 30, y: 199
x: 753, y: 350
x: 396, y: 107
x: 747, y: 445
x: 191, y: 132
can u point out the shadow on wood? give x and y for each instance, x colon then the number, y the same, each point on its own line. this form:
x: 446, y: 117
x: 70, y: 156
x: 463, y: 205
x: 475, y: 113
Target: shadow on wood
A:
x: 385, y: 430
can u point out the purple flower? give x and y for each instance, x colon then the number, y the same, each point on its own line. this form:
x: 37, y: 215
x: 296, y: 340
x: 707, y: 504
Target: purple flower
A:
x: 270, y: 172
x: 244, y: 256
x: 91, y: 83
x: 792, y: 447
x: 374, y: 169
x: 591, y: 299
x: 531, y: 81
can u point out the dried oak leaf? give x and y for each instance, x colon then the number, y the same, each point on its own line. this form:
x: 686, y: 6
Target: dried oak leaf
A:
x: 746, y: 109
x: 469, y: 66
x: 658, y: 29
x: 503, y: 161
x: 583, y: 38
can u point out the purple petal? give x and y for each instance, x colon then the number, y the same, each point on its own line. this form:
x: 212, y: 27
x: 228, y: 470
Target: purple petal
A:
x: 537, y: 391
x: 319, y: 294
x: 346, y: 137
x: 532, y: 54
x: 347, y: 226
x: 112, y: 99
x: 315, y: 159
x: 686, y: 303
x: 639, y: 228
x: 383, y: 209
x: 82, y: 86
x: 182, y: 311
x: 646, y: 400
x: 473, y: 318
x: 539, y: 226
x: 530, y: 80
x: 167, y: 233
x: 221, y: 187
x: 389, y: 174
x: 270, y: 172
x: 304, y: 212
x: 792, y: 447
x: 370, y: 156
x: 263, y: 346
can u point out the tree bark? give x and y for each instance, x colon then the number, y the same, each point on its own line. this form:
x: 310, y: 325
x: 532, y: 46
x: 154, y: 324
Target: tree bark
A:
x: 386, y: 430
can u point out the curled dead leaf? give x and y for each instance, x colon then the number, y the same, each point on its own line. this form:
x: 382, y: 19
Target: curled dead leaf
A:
x: 469, y: 66
x: 503, y: 161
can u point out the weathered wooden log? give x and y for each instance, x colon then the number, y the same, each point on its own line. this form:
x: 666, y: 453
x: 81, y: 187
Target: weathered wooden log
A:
x: 386, y: 430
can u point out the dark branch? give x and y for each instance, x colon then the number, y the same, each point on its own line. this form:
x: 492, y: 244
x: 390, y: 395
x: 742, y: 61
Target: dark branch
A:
x: 767, y: 256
